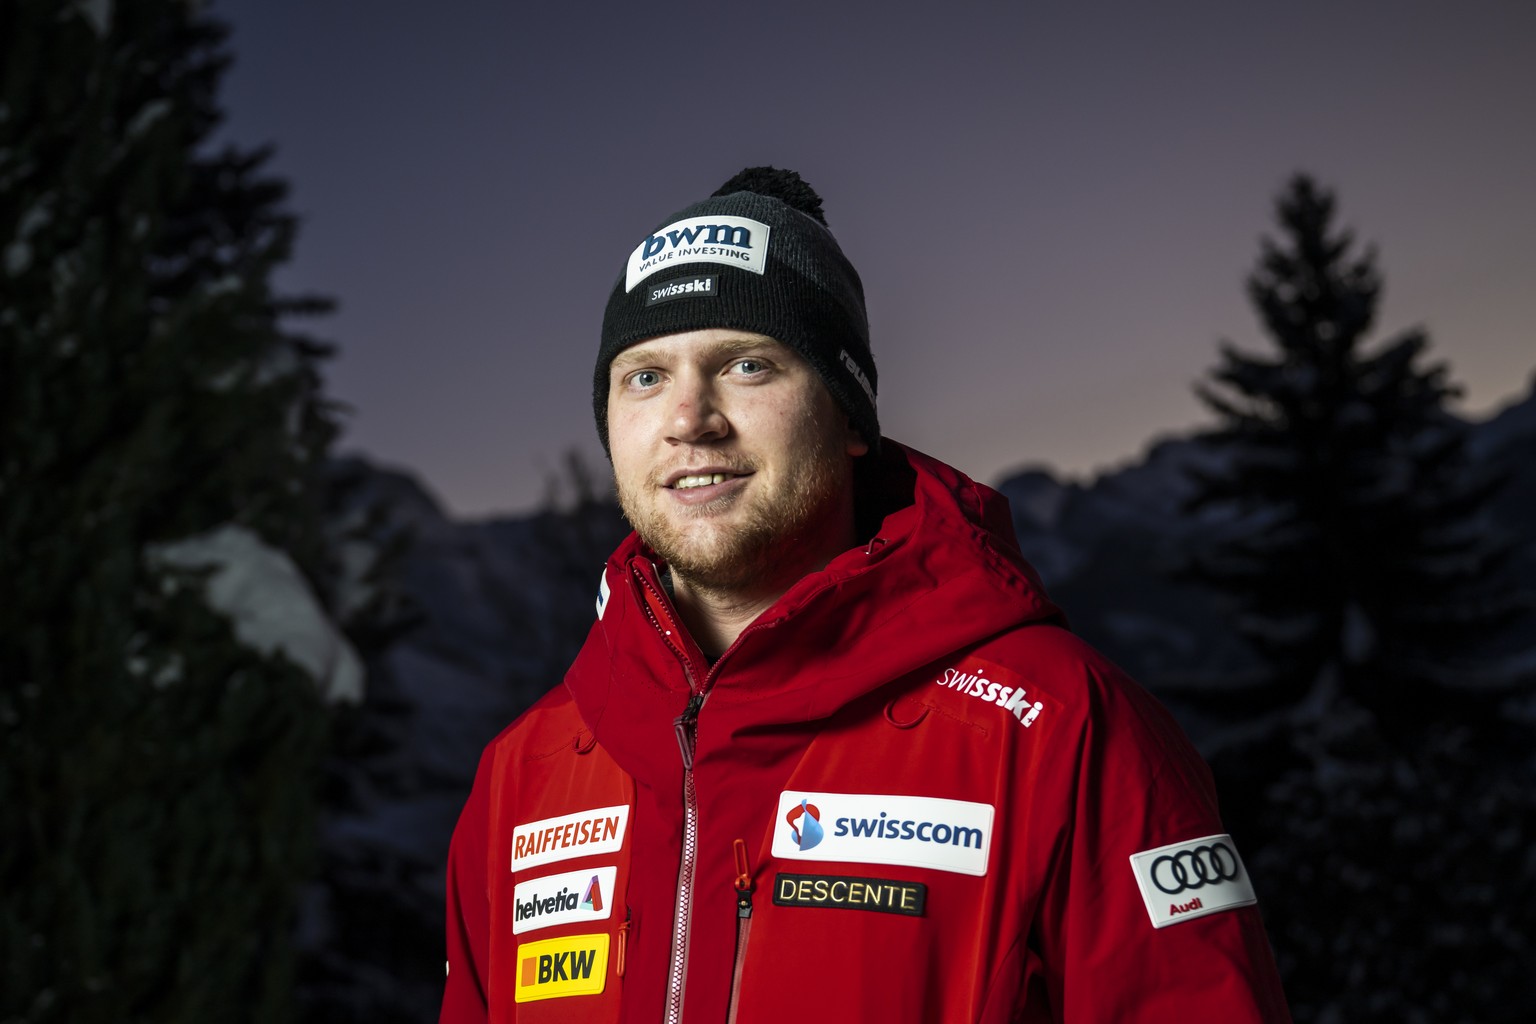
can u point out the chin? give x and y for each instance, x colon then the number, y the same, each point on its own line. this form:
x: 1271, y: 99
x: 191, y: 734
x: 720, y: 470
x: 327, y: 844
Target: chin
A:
x: 714, y: 555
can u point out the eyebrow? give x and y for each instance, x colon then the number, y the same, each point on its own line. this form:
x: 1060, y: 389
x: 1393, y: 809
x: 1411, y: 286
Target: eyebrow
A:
x: 640, y: 354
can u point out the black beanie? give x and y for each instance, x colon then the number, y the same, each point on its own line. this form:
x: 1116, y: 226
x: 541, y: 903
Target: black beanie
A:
x: 755, y: 256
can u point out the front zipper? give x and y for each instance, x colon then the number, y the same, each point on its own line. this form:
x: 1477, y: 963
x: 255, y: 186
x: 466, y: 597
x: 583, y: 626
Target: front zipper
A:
x: 686, y: 725
x: 656, y: 605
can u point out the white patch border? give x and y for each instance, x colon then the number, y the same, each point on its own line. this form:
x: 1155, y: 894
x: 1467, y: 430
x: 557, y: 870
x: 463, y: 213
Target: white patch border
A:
x: 607, y: 876
x: 870, y: 850
x: 553, y: 855
x: 755, y: 257
x: 1242, y: 887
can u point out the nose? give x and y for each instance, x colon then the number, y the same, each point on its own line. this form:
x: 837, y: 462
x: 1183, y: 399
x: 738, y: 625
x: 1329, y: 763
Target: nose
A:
x: 696, y: 412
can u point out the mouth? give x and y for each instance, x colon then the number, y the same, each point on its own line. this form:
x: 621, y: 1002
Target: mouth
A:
x: 704, y: 488
x: 686, y: 483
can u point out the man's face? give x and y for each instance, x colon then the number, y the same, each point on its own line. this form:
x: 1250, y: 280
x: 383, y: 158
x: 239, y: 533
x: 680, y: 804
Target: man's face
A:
x: 732, y: 460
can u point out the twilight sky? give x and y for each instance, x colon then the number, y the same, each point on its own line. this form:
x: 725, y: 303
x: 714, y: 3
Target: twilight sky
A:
x: 1053, y: 208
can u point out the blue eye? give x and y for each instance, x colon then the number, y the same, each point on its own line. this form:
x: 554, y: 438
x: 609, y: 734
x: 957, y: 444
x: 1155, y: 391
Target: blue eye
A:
x: 645, y: 379
x: 750, y: 366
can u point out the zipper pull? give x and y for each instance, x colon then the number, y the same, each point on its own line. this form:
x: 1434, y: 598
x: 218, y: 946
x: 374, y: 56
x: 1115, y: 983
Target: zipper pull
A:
x: 623, y: 935
x: 686, y: 724
x: 743, y: 881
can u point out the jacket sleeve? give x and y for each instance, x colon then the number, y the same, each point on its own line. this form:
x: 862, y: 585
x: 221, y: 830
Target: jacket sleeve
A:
x: 468, y: 917
x: 1139, y: 785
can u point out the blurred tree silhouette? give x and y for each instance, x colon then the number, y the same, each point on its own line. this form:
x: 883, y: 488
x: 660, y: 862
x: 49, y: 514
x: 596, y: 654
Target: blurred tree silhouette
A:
x: 1382, y: 781
x: 504, y: 606
x: 1356, y: 538
x: 156, y: 788
x: 1397, y: 884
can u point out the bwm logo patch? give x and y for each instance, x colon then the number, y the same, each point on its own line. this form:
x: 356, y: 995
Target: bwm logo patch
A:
x: 599, y: 830
x: 714, y: 238
x: 1183, y: 881
x: 573, y: 896
x: 573, y: 965
x: 869, y: 828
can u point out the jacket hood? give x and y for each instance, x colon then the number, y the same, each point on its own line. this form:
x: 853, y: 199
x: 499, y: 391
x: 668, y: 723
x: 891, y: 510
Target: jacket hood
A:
x: 942, y: 572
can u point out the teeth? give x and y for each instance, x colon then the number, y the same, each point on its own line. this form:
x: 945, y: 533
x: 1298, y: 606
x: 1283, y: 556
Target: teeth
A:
x: 703, y: 480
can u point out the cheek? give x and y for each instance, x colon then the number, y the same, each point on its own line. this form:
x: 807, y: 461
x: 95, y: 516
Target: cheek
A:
x: 625, y: 428
x: 628, y: 468
x: 826, y: 429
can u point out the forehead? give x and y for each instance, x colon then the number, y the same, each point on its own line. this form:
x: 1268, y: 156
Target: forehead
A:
x: 706, y: 345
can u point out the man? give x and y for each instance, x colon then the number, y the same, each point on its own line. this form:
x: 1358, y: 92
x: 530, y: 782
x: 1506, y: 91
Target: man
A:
x: 829, y: 752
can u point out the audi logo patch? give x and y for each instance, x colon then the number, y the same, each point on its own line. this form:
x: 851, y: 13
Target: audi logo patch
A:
x: 1183, y: 881
x: 1174, y: 873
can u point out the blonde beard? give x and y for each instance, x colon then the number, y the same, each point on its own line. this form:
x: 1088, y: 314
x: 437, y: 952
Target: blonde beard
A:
x: 757, y: 553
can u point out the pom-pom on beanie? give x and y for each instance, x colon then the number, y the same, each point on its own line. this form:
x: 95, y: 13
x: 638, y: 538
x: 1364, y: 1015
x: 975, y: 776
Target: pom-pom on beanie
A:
x: 755, y: 256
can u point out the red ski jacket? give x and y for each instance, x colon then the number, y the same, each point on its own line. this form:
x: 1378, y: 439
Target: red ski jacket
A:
x: 905, y: 793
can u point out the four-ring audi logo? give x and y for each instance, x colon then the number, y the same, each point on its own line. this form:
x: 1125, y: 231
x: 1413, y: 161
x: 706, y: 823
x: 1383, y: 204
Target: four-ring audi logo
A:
x: 1191, y: 869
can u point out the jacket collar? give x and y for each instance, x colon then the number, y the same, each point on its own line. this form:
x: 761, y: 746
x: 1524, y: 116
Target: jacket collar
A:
x: 942, y: 572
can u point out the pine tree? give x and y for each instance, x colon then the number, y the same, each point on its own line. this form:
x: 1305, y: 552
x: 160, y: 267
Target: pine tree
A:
x: 1396, y: 883
x: 1350, y: 530
x: 1355, y: 541
x: 157, y: 778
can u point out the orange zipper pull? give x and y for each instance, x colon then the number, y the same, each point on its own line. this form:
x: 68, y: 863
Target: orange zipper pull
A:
x: 743, y: 926
x: 743, y: 880
x: 623, y: 932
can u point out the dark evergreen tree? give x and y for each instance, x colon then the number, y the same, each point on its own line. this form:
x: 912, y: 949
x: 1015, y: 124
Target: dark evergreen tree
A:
x: 1350, y: 529
x: 500, y: 607
x: 156, y: 774
x: 1397, y: 884
x: 1356, y: 541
